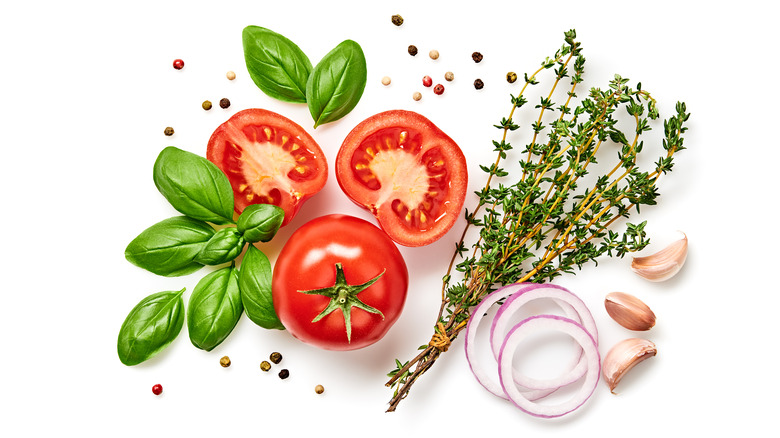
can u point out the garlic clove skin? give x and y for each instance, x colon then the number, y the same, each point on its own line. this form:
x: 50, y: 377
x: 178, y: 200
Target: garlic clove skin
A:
x: 629, y: 311
x: 624, y: 356
x: 664, y: 264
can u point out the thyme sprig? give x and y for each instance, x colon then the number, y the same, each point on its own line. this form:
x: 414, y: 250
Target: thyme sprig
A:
x: 545, y: 224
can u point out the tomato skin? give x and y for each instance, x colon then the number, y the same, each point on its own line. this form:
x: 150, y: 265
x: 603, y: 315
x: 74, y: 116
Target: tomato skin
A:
x: 428, y: 155
x: 269, y: 159
x: 307, y: 261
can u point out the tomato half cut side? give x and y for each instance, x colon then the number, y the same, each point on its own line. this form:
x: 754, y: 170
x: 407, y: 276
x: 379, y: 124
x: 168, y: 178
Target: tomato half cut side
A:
x: 407, y: 172
x: 269, y: 159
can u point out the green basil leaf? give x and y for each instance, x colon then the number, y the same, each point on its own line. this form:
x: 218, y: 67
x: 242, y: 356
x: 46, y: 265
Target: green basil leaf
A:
x: 224, y: 246
x: 169, y: 247
x: 337, y: 83
x: 214, y: 308
x: 260, y: 222
x: 276, y: 65
x: 194, y: 186
x: 254, y: 281
x: 150, y: 327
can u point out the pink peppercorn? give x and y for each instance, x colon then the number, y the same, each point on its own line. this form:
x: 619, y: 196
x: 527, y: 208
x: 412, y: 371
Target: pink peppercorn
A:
x: 178, y: 64
x: 438, y: 89
x: 427, y: 81
x: 157, y: 389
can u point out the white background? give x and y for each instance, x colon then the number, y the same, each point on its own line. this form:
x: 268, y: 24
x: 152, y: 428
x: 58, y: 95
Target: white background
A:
x: 87, y: 88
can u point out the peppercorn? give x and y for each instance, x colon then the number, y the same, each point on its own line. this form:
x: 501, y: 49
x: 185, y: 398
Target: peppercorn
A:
x: 397, y: 20
x: 386, y: 80
x: 206, y: 105
x: 168, y: 131
x: 511, y: 77
x: 224, y: 102
x: 449, y: 76
x: 265, y: 366
x: 412, y: 50
x: 478, y: 84
x: 417, y: 95
x: 276, y: 357
x: 230, y: 75
x: 438, y: 89
x: 427, y: 81
x: 283, y: 374
x: 224, y: 361
x: 178, y: 64
x: 157, y: 389
x: 434, y: 54
x: 319, y: 389
x: 476, y: 56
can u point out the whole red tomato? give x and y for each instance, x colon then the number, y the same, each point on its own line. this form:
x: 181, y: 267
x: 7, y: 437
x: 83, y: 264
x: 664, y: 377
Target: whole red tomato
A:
x: 339, y: 283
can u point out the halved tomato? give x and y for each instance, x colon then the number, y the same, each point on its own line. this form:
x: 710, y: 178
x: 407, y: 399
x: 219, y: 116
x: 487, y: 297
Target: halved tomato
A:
x: 269, y: 159
x: 407, y: 172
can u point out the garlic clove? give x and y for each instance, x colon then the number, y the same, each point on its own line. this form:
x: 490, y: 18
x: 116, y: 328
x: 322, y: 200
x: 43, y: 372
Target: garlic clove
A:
x: 664, y: 264
x: 624, y: 356
x: 629, y: 311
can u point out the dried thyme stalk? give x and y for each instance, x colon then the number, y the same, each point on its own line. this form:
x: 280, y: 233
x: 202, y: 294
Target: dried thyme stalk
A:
x: 544, y: 224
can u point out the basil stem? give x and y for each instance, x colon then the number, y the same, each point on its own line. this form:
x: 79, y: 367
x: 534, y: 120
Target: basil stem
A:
x: 224, y: 246
x: 214, y: 308
x: 276, y: 65
x: 150, y: 327
x: 254, y: 282
x: 337, y: 83
x: 194, y: 186
x: 169, y: 247
x: 260, y: 222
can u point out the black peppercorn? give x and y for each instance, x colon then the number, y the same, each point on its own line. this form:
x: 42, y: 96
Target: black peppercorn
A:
x: 511, y: 77
x: 168, y: 131
x: 478, y: 84
x: 224, y: 102
x: 397, y: 20
x: 206, y: 105
x: 283, y: 374
x: 476, y: 56
x: 412, y: 50
x: 265, y: 366
x: 276, y: 357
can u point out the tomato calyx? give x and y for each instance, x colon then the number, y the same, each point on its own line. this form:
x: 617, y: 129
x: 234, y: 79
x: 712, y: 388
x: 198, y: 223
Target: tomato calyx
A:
x: 344, y: 296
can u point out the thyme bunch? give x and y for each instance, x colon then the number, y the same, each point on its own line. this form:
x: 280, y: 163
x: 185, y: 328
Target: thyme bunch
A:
x: 555, y: 216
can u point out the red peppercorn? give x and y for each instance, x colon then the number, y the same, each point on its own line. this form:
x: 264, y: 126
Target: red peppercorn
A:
x: 178, y: 64
x: 438, y: 89
x: 427, y: 81
x: 157, y: 389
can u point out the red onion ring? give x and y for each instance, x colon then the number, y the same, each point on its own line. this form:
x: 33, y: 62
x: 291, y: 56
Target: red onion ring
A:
x: 546, y: 322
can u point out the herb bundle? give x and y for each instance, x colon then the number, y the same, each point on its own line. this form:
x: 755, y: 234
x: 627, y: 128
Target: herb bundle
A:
x: 544, y: 224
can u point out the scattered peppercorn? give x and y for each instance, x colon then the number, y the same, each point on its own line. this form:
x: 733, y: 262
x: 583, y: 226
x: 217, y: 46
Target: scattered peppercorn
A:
x: 224, y: 102
x: 417, y: 95
x: 276, y: 357
x: 434, y: 54
x: 231, y: 75
x: 449, y: 76
x: 427, y: 81
x: 178, y: 64
x: 283, y: 374
x: 438, y: 89
x: 397, y: 20
x: 265, y: 365
x: 511, y: 77
x: 168, y: 131
x: 224, y: 361
x: 478, y: 84
x: 319, y: 389
x: 206, y: 105
x: 476, y: 56
x: 412, y: 50
x: 386, y: 80
x: 157, y: 389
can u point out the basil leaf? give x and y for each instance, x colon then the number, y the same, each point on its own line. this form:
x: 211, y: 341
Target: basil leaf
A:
x: 276, y: 65
x: 169, y: 247
x: 254, y: 281
x: 337, y: 83
x: 214, y: 308
x: 194, y: 186
x: 260, y: 222
x: 152, y: 324
x: 224, y: 246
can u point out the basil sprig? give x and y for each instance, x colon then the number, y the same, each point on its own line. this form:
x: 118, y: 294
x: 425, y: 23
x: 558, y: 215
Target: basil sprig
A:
x: 169, y: 247
x: 254, y: 281
x: 224, y: 246
x: 214, y: 308
x: 260, y: 222
x: 152, y: 324
x: 282, y: 71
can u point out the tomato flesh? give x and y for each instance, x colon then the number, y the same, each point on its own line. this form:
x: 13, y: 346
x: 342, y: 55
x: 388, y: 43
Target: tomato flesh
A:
x: 268, y: 159
x: 408, y: 173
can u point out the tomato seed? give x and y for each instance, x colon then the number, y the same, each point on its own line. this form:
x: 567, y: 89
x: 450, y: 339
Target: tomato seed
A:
x: 178, y: 64
x: 157, y: 389
x: 438, y: 89
x: 168, y: 131
x: 427, y: 81
x: 265, y: 365
x: 224, y: 361
x: 412, y: 50
x: 224, y: 102
x: 434, y: 54
x: 319, y: 389
x: 230, y: 75
x: 511, y: 77
x: 478, y: 84
x: 283, y: 374
x: 476, y: 56
x: 276, y: 357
